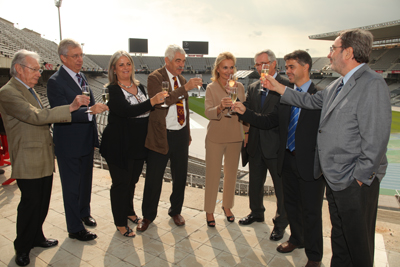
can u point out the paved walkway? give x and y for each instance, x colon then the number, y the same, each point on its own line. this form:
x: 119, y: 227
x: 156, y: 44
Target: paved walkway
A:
x: 164, y: 244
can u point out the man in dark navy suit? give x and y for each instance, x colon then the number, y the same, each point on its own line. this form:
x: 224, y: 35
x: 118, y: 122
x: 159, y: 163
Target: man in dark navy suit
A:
x: 74, y: 142
x: 303, y: 192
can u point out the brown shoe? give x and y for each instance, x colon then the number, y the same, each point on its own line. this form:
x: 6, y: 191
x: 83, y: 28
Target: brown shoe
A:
x: 178, y: 219
x: 143, y: 225
x: 287, y: 247
x: 313, y: 264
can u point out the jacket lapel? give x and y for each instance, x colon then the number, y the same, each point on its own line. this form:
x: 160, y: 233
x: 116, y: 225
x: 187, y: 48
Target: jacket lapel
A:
x: 333, y: 102
x: 70, y: 81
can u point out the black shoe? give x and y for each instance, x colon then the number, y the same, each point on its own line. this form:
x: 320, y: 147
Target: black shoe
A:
x: 249, y: 219
x: 229, y: 218
x: 83, y: 235
x: 48, y: 243
x: 276, y: 234
x: 22, y: 259
x: 89, y: 221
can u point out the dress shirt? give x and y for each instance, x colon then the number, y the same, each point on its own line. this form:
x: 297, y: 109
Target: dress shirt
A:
x: 304, y: 88
x: 171, y: 118
x: 350, y: 73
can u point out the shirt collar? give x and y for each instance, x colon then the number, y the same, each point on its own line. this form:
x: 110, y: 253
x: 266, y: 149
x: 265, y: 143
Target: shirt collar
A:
x: 70, y: 72
x: 305, y: 86
x: 27, y: 87
x: 350, y: 73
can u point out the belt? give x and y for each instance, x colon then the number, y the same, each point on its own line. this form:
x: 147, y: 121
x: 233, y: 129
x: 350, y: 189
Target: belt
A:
x: 293, y: 153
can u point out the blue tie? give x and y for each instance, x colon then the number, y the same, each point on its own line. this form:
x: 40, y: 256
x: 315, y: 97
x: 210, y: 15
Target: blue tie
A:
x: 34, y: 95
x: 264, y: 94
x: 338, y: 89
x: 294, y: 117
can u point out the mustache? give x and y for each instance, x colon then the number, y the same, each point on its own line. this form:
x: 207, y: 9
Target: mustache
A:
x: 180, y: 68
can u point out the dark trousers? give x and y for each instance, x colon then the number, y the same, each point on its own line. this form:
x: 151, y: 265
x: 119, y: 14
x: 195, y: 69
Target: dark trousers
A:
x: 123, y: 189
x: 303, y: 203
x: 76, y: 180
x: 258, y: 166
x: 353, y: 216
x: 32, y: 211
x: 178, y: 153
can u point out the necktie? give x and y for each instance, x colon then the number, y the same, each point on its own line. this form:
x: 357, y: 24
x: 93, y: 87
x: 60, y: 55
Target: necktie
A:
x: 264, y: 94
x: 294, y: 117
x: 81, y: 81
x: 179, y: 105
x: 34, y: 95
x: 338, y: 89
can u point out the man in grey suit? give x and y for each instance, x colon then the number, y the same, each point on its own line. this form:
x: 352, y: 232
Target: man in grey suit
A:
x: 262, y: 147
x: 31, y: 148
x: 351, y: 145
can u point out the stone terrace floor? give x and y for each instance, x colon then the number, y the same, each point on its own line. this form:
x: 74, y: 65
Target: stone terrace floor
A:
x: 165, y: 244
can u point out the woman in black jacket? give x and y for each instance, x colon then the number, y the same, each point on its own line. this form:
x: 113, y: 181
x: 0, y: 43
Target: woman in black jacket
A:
x: 123, y: 139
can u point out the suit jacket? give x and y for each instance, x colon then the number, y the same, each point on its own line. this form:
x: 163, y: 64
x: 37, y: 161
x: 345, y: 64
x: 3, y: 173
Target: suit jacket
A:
x: 354, y: 128
x: 28, y: 131
x: 124, y: 135
x: 157, y: 131
x: 79, y: 137
x: 306, y: 133
x: 267, y: 140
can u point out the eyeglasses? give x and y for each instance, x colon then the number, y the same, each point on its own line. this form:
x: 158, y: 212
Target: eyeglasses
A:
x: 76, y: 56
x: 39, y: 70
x: 333, y: 48
x: 260, y: 64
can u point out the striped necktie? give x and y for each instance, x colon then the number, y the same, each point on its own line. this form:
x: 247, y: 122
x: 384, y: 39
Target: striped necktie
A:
x: 34, y: 95
x: 338, y: 89
x: 81, y: 81
x: 294, y: 117
x: 179, y: 105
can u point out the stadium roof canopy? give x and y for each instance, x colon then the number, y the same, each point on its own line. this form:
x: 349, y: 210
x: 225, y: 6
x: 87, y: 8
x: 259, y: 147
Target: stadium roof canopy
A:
x: 381, y: 31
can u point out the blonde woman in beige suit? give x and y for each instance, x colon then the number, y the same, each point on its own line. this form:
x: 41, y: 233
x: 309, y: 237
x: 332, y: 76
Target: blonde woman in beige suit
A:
x: 224, y: 138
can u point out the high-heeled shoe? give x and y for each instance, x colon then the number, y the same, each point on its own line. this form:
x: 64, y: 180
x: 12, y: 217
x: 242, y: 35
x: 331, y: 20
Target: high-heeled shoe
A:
x: 210, y: 223
x: 229, y: 218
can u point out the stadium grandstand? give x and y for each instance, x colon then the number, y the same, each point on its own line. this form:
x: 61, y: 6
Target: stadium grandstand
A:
x: 385, y: 60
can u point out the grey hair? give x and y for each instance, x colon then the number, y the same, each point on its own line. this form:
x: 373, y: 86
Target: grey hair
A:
x: 65, y: 45
x: 361, y: 42
x: 271, y: 55
x: 172, y: 50
x: 112, y: 77
x: 20, y: 58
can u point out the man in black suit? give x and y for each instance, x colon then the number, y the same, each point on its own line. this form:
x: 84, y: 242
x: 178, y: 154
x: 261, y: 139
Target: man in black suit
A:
x: 74, y: 142
x: 303, y: 194
x: 262, y: 147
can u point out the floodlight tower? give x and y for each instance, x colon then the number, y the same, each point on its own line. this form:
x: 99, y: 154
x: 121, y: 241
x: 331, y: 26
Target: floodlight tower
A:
x: 58, y: 5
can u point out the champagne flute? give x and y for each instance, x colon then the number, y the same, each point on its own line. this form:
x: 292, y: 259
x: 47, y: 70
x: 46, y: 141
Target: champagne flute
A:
x: 86, y: 92
x: 201, y: 77
x: 232, y: 92
x: 264, y: 73
x: 105, y: 95
x: 165, y: 87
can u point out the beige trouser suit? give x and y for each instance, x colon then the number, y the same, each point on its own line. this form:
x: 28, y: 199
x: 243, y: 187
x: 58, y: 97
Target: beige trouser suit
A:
x: 224, y: 139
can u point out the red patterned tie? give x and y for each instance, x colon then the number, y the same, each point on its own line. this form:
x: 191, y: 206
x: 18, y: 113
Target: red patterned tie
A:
x: 179, y: 105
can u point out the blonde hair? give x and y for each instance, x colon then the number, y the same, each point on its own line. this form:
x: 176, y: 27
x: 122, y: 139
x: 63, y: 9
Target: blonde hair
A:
x: 221, y: 57
x: 112, y: 77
